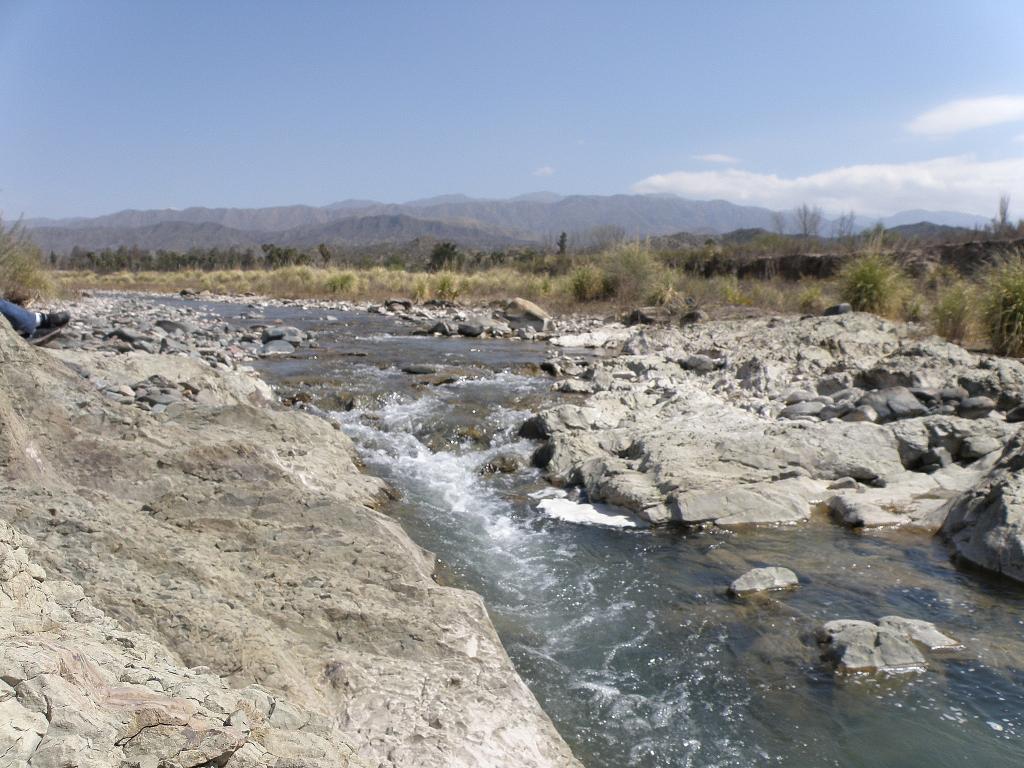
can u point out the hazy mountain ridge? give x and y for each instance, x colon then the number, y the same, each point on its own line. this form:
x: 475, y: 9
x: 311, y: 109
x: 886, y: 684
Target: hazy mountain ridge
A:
x: 183, y: 235
x: 472, y: 222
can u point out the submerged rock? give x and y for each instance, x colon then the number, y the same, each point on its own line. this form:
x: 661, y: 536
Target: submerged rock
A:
x: 770, y: 579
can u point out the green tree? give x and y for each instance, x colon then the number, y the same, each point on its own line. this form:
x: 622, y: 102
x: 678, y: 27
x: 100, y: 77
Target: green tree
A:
x: 563, y: 240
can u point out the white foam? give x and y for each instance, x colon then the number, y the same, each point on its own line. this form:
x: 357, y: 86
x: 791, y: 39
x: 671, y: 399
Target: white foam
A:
x: 589, y: 514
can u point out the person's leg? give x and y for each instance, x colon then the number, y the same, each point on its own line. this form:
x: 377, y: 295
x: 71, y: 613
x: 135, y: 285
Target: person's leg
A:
x: 23, y: 321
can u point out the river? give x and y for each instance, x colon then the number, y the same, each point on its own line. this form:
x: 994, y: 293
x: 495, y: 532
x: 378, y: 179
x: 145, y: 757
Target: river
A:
x: 627, y: 636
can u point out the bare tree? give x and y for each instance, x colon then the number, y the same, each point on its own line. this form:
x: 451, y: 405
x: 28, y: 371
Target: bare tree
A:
x: 842, y: 228
x: 779, y: 222
x: 1001, y: 224
x: 808, y: 220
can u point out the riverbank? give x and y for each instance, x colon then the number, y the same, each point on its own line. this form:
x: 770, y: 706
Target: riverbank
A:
x: 636, y: 638
x: 194, y: 576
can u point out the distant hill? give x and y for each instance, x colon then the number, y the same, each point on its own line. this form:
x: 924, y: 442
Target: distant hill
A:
x: 181, y: 236
x: 472, y: 222
x: 926, y: 230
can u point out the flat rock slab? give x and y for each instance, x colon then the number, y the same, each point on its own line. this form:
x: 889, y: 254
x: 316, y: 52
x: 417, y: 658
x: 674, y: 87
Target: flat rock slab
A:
x: 894, y: 645
x: 770, y: 579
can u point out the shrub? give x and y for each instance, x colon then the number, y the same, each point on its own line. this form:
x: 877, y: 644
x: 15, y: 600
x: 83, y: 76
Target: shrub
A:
x: 1003, y: 306
x: 446, y: 286
x: 23, y: 274
x: 951, y: 316
x: 633, y: 275
x: 588, y: 283
x: 810, y: 300
x: 340, y: 282
x: 872, y: 283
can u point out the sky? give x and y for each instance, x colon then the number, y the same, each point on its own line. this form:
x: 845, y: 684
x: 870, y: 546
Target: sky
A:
x: 874, y: 107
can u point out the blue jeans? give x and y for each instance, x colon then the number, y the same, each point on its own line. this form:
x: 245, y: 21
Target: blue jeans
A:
x: 24, y: 322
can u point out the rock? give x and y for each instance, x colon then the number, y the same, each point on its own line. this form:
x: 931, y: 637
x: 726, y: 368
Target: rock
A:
x: 444, y: 328
x: 802, y: 410
x: 420, y: 369
x: 837, y: 309
x: 649, y: 316
x: 521, y: 314
x: 242, y: 538
x: 799, y: 396
x: 975, y: 407
x: 855, y: 512
x: 471, y: 329
x: 277, y: 347
x: 894, y: 403
x: 985, y: 524
x: 693, y: 317
x: 700, y: 363
x: 860, y: 646
x: 396, y: 305
x: 894, y: 645
x: 505, y: 463
x: 768, y: 579
x: 283, y: 333
x: 1015, y: 415
x: 862, y: 413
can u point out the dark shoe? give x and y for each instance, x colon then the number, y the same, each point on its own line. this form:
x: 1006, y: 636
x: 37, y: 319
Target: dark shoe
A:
x: 54, y: 320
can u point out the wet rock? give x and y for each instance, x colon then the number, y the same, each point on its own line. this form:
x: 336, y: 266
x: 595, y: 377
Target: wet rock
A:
x: 855, y: 512
x: 419, y: 369
x: 471, y: 329
x: 975, y: 407
x: 283, y: 333
x: 444, y: 328
x: 769, y: 579
x: 894, y: 645
x: 277, y: 347
x: 505, y: 463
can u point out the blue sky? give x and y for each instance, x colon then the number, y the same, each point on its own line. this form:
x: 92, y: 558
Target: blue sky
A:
x: 872, y: 106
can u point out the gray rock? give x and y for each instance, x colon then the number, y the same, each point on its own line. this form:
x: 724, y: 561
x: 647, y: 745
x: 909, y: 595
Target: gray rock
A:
x: 419, y: 369
x: 860, y: 646
x: 862, y: 413
x: 769, y: 579
x: 975, y: 407
x: 894, y: 403
x: 522, y: 314
x: 277, y: 347
x: 985, y: 524
x: 283, y: 333
x: 700, y: 363
x: 471, y: 329
x: 837, y: 309
x: 802, y: 410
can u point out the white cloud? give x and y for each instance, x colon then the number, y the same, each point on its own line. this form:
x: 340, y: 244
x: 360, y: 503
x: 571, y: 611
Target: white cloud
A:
x: 968, y: 114
x: 544, y: 170
x: 715, y: 157
x: 960, y: 183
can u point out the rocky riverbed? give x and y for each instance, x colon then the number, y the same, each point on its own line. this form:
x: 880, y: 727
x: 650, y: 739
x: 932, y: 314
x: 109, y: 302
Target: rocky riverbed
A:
x: 154, y: 474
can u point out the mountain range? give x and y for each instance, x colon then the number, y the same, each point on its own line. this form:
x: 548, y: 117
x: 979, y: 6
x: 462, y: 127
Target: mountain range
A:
x: 471, y: 222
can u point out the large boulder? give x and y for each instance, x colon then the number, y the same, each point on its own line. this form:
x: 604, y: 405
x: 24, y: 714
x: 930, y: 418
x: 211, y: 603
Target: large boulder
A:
x: 521, y: 313
x: 985, y: 524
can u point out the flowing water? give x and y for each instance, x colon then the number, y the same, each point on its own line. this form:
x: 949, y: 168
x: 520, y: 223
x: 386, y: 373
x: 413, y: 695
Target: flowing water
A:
x: 627, y: 637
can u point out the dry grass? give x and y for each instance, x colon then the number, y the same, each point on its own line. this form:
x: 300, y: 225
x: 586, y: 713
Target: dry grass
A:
x: 628, y: 276
x: 23, y: 273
